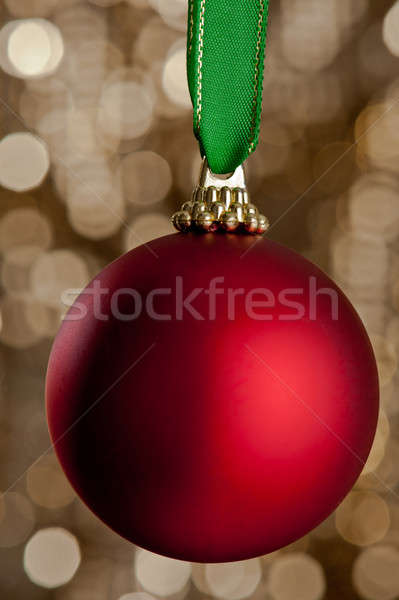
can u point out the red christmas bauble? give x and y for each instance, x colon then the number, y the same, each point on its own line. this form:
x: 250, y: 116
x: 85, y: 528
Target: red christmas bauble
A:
x: 212, y: 398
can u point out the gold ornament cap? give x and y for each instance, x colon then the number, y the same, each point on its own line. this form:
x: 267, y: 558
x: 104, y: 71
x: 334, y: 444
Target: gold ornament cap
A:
x: 220, y: 203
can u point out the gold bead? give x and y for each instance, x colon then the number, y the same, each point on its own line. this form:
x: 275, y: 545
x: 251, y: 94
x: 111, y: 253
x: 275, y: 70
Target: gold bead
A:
x: 229, y: 221
x: 251, y: 209
x: 238, y: 209
x: 182, y: 220
x: 188, y: 206
x: 200, y: 194
x: 217, y: 210
x: 263, y: 224
x: 225, y: 197
x: 198, y: 208
x: 211, y: 195
x: 205, y: 221
x: 251, y: 224
x: 238, y: 195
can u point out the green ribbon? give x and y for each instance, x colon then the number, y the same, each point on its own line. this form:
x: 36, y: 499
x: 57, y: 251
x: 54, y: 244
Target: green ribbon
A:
x: 225, y: 60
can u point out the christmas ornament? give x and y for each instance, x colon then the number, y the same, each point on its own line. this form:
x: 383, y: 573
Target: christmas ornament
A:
x: 212, y: 395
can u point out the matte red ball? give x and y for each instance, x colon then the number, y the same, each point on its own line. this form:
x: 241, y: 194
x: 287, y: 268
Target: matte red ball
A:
x: 212, y: 436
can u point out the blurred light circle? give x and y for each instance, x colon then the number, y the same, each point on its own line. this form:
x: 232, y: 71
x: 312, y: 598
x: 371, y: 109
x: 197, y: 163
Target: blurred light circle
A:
x: 88, y: 67
x: 153, y: 42
x: 45, y: 112
x: 326, y: 530
x: 359, y: 260
x: 374, y: 61
x: 393, y: 534
x: 376, y: 573
x: 91, y: 229
x: 161, y: 575
x: 47, y: 485
x: 57, y: 273
x: 388, y: 393
x: 101, y: 56
x: 24, y: 227
x: 77, y: 20
x: 91, y: 177
x: 233, y: 580
x: 296, y: 576
x: 390, y: 30
x: 362, y: 518
x: 126, y: 109
x: 147, y: 227
x: 138, y: 3
x: 198, y: 577
x: 378, y: 448
x: 371, y: 313
x: 395, y: 301
x: 387, y: 470
x: 173, y: 12
x: 310, y: 38
x: 81, y: 137
x: 224, y: 578
x: 24, y: 161
x: 137, y: 596
x: 322, y: 98
x: 374, y: 208
x: 95, y: 201
x: 146, y: 177
x: 57, y: 48
x: 386, y: 357
x: 186, y: 165
x: 51, y: 557
x: 319, y: 97
x: 349, y: 14
x: 43, y: 320
x: 29, y: 8
x: 391, y: 91
x: 50, y: 88
x: 16, y: 331
x: 52, y: 126
x: 30, y: 48
x: 174, y: 78
x: 376, y: 132
x: 165, y: 107
x: 14, y: 272
x: 17, y: 519
x: 392, y: 331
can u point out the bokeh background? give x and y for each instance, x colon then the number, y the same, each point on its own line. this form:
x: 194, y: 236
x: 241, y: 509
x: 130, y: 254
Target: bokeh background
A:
x: 96, y: 152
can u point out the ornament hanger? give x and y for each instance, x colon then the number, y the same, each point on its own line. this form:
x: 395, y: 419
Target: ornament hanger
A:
x: 225, y: 65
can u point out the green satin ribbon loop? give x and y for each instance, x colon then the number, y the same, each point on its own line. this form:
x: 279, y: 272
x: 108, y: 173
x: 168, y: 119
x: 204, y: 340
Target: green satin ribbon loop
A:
x: 225, y: 60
